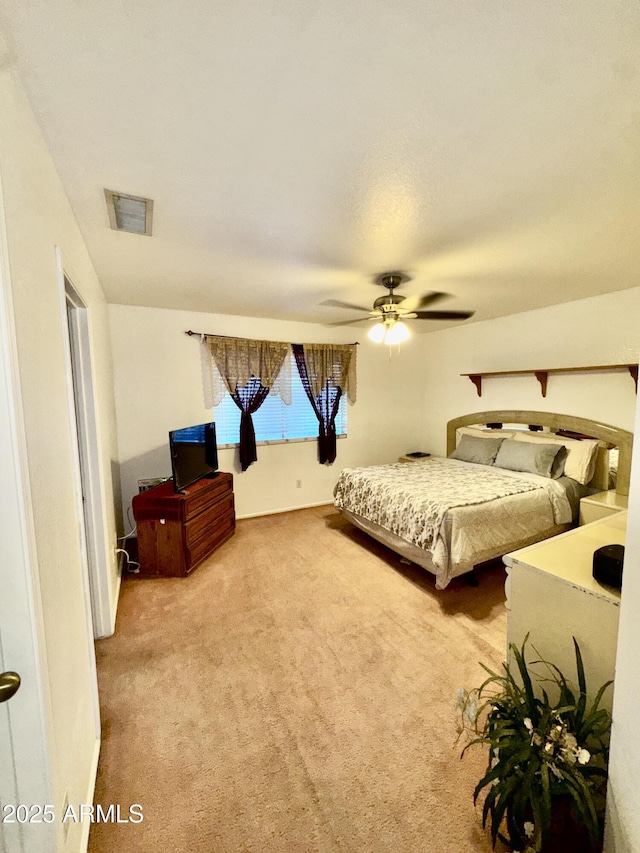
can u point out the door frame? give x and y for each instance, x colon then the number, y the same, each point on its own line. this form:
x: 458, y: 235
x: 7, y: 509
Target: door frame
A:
x: 88, y: 476
x: 26, y: 730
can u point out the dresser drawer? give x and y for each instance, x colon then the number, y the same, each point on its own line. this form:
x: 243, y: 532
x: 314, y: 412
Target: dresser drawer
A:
x: 204, y: 497
x: 205, y: 524
x: 200, y: 549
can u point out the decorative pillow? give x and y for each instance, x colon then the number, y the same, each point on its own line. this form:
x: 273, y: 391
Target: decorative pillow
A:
x: 527, y: 457
x: 581, y: 455
x: 482, y: 451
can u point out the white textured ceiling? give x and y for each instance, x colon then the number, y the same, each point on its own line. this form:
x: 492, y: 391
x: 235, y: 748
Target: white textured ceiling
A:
x: 296, y: 149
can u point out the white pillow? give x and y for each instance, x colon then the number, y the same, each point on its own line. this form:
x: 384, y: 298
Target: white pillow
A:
x: 613, y: 467
x: 478, y: 432
x: 581, y: 455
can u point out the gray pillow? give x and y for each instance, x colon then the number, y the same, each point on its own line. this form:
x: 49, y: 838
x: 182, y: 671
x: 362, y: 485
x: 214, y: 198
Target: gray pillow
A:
x: 557, y: 469
x: 482, y: 451
x: 536, y: 459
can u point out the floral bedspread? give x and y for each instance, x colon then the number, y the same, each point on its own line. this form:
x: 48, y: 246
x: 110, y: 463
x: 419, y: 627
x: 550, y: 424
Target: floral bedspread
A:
x: 411, y: 500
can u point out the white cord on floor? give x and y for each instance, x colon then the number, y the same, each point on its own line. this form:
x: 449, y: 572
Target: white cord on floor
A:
x: 130, y: 562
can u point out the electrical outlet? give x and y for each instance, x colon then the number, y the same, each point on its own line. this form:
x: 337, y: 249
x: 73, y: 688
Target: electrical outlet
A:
x: 298, y: 484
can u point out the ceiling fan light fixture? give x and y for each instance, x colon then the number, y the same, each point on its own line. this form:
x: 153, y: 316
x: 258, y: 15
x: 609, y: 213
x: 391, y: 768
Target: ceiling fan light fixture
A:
x: 377, y: 332
x: 389, y: 331
x: 398, y: 333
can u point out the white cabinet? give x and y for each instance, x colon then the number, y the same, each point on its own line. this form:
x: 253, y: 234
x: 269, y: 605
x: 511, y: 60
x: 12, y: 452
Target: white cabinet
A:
x: 601, y: 505
x: 552, y: 596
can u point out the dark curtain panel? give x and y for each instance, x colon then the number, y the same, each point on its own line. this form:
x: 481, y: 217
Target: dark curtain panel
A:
x: 248, y: 398
x: 325, y: 405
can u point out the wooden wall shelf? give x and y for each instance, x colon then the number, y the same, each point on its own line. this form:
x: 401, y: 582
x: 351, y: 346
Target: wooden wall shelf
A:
x: 543, y: 375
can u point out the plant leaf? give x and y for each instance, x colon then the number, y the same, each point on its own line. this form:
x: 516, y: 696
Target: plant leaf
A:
x: 524, y: 674
x: 582, y: 681
x: 499, y: 808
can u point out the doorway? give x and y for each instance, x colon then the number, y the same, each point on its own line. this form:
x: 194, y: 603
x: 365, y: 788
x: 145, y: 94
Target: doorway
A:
x: 82, y: 404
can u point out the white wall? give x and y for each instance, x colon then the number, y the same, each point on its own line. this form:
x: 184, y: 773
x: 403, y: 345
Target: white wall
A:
x: 38, y: 218
x: 597, y: 330
x: 159, y: 387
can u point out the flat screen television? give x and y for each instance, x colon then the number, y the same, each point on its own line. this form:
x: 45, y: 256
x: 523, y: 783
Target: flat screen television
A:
x: 194, y: 454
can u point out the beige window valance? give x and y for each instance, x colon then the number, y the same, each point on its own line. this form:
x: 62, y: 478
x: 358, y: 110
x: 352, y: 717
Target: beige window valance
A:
x: 333, y: 365
x: 230, y: 362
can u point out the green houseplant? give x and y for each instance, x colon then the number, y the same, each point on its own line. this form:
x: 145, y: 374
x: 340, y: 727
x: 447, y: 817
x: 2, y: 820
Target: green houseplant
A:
x: 548, y: 754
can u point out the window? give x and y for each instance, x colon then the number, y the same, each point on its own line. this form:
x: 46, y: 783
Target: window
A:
x: 274, y: 421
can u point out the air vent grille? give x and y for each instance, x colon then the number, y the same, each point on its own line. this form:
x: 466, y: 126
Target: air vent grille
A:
x: 129, y: 212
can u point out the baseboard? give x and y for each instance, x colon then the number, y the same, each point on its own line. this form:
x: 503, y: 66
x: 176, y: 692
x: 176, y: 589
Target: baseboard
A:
x: 115, y: 600
x: 285, y: 509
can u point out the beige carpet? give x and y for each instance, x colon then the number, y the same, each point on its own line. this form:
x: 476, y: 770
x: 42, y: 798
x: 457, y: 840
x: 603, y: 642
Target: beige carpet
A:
x: 295, y: 694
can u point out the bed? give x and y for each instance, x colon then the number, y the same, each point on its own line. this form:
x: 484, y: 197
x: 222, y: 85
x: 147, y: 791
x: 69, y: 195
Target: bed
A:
x: 486, y: 498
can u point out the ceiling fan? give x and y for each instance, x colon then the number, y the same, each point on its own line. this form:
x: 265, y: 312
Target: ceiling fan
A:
x: 391, y: 310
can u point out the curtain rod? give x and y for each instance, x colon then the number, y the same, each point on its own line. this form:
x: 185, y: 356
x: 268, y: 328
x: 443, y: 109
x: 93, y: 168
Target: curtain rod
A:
x: 234, y: 337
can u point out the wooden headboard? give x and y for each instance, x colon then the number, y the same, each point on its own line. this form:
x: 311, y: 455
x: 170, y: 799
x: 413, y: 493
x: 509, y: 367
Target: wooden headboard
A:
x: 613, y: 436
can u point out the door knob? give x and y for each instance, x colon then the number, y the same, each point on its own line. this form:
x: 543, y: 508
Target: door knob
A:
x: 9, y: 683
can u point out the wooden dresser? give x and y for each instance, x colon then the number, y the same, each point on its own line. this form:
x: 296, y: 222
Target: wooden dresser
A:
x: 176, y: 532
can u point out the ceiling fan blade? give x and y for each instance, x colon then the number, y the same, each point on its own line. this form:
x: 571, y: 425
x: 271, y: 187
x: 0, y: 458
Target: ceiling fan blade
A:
x: 337, y: 303
x: 348, y: 322
x: 443, y: 315
x: 413, y: 303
